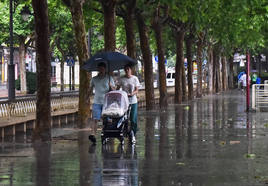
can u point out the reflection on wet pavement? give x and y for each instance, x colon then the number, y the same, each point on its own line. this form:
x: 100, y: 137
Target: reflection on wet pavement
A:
x: 208, y: 141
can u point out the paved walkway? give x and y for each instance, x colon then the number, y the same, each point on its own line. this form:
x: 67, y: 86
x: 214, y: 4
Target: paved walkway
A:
x: 210, y: 141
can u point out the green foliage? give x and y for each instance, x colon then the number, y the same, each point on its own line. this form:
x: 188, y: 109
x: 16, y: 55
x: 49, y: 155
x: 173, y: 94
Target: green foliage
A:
x: 21, y: 28
x: 30, y: 81
x: 62, y: 39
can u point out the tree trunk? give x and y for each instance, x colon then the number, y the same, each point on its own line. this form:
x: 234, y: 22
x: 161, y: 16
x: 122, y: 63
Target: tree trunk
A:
x: 61, y: 67
x: 62, y: 75
x: 147, y: 58
x: 129, y: 27
x: 179, y: 67
x: 23, y: 85
x: 42, y: 129
x: 199, y: 68
x: 73, y: 79
x: 231, y: 73
x: 161, y: 62
x: 109, y: 24
x: 210, y: 70
x: 183, y: 81
x: 217, y: 71
x: 189, y: 66
x: 224, y: 74
x: 76, y: 8
x: 214, y: 70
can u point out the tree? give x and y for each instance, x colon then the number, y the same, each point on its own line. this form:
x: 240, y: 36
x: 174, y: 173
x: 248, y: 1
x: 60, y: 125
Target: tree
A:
x: 62, y: 35
x: 127, y: 11
x: 76, y: 8
x: 108, y: 7
x: 23, y: 34
x: 147, y: 59
x: 42, y: 130
x: 157, y: 23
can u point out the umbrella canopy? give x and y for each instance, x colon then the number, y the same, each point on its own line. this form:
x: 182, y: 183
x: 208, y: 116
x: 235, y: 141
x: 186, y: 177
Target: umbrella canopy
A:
x: 114, y: 61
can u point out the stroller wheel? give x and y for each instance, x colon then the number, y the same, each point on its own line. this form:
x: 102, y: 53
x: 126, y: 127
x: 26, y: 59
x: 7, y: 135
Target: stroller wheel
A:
x: 103, y: 140
x: 132, y: 139
x: 122, y: 140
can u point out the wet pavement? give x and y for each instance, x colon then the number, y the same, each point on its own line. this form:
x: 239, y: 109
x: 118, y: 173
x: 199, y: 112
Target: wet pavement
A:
x: 206, y: 142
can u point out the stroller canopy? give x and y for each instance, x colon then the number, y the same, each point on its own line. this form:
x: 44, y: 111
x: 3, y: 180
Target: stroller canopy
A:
x: 115, y: 103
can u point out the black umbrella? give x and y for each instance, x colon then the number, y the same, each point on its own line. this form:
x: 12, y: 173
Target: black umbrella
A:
x: 114, y: 61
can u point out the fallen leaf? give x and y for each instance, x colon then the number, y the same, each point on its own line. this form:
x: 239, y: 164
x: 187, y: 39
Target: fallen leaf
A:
x: 266, y: 125
x: 250, y: 156
x: 234, y: 142
x: 186, y: 108
x: 180, y: 163
x: 222, y: 143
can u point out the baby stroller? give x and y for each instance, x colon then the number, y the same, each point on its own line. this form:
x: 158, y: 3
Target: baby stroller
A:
x: 115, y: 115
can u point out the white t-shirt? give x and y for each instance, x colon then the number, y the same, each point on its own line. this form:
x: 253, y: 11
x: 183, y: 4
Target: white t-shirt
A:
x: 128, y: 85
x: 101, y: 85
x: 244, y: 80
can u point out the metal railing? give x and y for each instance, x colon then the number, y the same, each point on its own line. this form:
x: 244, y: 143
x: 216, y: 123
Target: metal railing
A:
x: 27, y: 104
x: 260, y: 96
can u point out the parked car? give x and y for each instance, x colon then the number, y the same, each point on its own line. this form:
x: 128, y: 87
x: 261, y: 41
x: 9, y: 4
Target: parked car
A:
x: 170, y: 78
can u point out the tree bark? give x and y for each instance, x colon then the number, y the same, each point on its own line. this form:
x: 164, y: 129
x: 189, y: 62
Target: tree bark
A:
x: 210, y: 70
x: 42, y: 130
x: 183, y: 81
x: 189, y: 66
x: 147, y: 58
x: 214, y: 70
x: 61, y: 67
x: 76, y: 7
x: 129, y: 27
x: 73, y: 79
x: 109, y: 24
x: 231, y: 73
x: 161, y: 61
x: 224, y: 74
x: 179, y: 67
x: 217, y: 71
x: 23, y: 83
x: 199, y: 68
x: 62, y: 75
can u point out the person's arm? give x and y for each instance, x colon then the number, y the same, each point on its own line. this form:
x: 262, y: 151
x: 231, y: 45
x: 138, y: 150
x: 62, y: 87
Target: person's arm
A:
x: 112, y: 84
x: 135, y: 92
x: 136, y: 89
x: 118, y: 85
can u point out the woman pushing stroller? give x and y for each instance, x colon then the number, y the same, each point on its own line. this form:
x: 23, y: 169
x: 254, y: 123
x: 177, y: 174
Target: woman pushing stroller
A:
x: 130, y: 84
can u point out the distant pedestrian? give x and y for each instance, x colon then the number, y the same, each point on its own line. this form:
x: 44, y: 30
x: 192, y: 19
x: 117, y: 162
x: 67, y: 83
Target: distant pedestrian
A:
x: 244, y: 81
x: 258, y: 80
x: 254, y: 78
x: 240, y: 82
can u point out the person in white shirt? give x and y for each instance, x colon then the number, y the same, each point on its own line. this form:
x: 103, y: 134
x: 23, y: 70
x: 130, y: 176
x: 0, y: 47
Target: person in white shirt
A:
x: 243, y: 79
x: 130, y: 84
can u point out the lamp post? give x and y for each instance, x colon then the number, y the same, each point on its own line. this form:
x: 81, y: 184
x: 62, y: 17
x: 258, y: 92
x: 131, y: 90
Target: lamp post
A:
x: 25, y: 13
x: 11, y: 69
